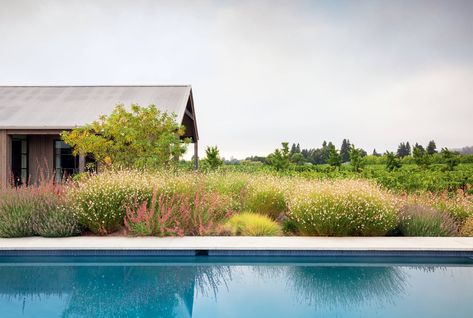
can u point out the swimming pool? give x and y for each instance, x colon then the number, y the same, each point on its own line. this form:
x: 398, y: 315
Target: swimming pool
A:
x: 219, y: 286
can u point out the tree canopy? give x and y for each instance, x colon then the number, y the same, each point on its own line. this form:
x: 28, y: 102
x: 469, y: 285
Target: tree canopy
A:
x: 140, y: 137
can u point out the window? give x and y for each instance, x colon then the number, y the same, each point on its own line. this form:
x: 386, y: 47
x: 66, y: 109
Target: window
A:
x: 19, y: 160
x: 65, y: 163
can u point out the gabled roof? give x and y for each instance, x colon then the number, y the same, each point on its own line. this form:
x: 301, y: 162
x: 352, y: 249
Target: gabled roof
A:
x: 65, y: 107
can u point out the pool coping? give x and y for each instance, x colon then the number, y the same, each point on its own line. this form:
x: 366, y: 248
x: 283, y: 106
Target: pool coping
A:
x: 249, y: 246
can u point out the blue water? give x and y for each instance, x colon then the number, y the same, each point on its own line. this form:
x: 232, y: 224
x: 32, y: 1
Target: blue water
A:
x: 235, y: 287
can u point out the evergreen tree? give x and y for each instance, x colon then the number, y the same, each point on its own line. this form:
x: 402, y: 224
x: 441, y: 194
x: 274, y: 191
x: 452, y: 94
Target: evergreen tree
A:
x: 213, y: 157
x: 345, y: 150
x: 408, y: 149
x: 298, y: 148
x: 280, y: 158
x: 376, y: 154
x: 431, y: 148
x: 325, y: 152
x: 404, y: 150
x: 401, y: 150
x: 293, y: 149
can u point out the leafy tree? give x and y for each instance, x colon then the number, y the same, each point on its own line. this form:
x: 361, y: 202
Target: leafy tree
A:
x: 345, y: 150
x: 334, y: 159
x: 142, y: 137
x: 451, y: 158
x: 280, y: 158
x: 297, y: 158
x: 392, y: 161
x: 325, y: 152
x: 421, y: 158
x: 357, y: 160
x: 213, y: 157
x: 431, y: 148
x: 419, y: 148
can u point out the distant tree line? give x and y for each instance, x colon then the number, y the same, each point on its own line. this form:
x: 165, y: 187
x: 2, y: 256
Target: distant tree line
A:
x: 422, y: 156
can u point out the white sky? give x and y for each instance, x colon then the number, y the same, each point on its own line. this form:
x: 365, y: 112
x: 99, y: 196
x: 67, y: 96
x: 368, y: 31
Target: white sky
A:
x: 376, y: 72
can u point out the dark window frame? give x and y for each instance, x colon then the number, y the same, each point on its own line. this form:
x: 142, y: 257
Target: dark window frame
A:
x: 61, y: 170
x: 15, y: 181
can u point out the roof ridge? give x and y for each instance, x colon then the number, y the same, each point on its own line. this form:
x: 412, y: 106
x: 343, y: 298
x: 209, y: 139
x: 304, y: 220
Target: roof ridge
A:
x: 177, y: 85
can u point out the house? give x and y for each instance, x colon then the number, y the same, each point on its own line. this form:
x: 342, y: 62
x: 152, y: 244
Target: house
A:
x: 32, y: 118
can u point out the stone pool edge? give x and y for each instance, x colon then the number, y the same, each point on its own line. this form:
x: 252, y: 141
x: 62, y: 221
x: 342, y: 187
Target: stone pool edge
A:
x: 241, y: 246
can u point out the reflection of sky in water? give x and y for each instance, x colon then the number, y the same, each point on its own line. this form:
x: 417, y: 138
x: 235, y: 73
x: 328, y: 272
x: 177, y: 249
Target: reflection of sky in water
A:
x: 243, y: 290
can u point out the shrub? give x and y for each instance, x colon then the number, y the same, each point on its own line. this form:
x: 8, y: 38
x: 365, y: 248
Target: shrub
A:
x: 419, y: 220
x: 267, y: 196
x: 16, y: 210
x: 289, y: 227
x: 467, y: 228
x: 100, y: 201
x: 270, y: 202
x: 341, y: 208
x: 458, y: 205
x: 252, y: 224
x: 54, y: 218
x: 37, y: 210
x: 178, y: 214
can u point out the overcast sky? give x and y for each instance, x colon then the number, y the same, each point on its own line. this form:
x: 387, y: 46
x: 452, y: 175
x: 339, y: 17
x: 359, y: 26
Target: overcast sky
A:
x: 376, y: 72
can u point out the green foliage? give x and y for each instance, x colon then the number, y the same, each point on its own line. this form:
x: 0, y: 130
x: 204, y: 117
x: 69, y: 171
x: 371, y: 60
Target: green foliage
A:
x: 30, y: 211
x: 419, y: 220
x: 357, y: 160
x: 343, y: 208
x: 421, y: 158
x: 53, y: 218
x: 100, y: 201
x: 267, y: 200
x: 280, y: 158
x: 404, y: 150
x: 213, y: 159
x: 431, y: 148
x: 289, y: 227
x: 467, y: 228
x: 297, y: 158
x: 451, y: 159
x: 16, y: 211
x: 345, y: 150
x: 392, y: 162
x: 141, y: 137
x: 252, y: 224
x: 334, y: 159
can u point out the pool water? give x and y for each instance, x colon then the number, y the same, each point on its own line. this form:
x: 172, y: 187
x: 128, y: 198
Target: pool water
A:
x: 235, y: 287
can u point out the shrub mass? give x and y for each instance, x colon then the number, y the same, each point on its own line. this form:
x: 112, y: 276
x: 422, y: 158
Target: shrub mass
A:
x: 252, y: 224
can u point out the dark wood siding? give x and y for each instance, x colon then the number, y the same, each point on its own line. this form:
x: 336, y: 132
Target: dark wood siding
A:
x: 41, y: 156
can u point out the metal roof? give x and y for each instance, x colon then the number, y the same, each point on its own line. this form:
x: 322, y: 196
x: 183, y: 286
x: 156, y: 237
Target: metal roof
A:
x: 65, y: 107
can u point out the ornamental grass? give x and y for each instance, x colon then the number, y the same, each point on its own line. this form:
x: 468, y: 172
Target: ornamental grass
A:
x: 343, y: 208
x: 252, y: 224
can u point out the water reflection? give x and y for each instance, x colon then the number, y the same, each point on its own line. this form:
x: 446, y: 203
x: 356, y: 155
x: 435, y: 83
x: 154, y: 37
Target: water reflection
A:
x: 113, y: 291
x: 345, y: 286
x: 147, y: 290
